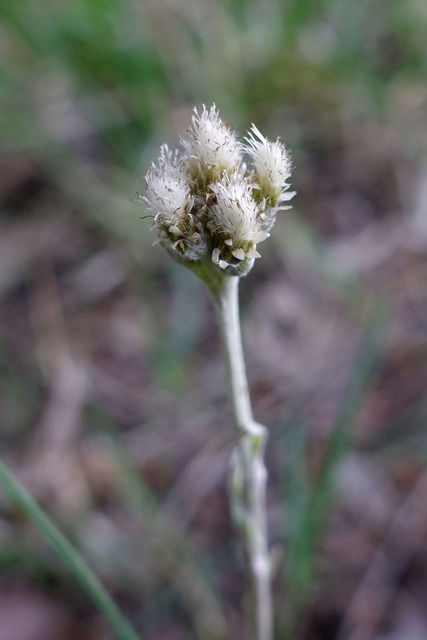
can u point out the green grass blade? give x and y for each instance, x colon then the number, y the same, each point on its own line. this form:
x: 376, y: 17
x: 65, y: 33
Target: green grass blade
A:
x: 78, y: 567
x: 310, y: 503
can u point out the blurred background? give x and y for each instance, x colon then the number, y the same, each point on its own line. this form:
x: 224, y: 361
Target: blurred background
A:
x: 113, y: 406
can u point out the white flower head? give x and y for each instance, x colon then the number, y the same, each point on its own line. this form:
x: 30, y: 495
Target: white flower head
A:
x: 205, y: 203
x: 235, y: 214
x: 168, y: 196
x: 212, y: 147
x: 272, y: 164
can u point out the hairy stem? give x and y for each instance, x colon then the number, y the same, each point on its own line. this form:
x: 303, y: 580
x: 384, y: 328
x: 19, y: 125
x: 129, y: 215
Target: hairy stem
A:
x: 248, y: 472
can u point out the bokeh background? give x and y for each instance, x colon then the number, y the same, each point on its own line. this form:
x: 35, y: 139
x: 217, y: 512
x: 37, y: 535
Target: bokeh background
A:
x: 113, y: 407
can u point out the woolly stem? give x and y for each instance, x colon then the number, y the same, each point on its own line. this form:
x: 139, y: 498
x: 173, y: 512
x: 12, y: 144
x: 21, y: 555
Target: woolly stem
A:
x: 248, y: 472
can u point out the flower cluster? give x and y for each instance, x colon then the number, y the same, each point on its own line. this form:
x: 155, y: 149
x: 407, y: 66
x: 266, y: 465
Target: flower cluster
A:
x: 206, y: 205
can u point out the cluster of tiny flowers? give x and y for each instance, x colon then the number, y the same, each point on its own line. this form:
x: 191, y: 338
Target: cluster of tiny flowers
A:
x: 211, y: 148
x: 204, y: 201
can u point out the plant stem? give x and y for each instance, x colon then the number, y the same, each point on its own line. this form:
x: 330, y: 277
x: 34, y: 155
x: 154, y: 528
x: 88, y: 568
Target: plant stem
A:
x: 69, y: 555
x: 248, y: 473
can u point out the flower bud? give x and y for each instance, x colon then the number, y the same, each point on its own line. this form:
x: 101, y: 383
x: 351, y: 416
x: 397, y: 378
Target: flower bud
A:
x: 211, y: 148
x: 234, y: 221
x: 272, y: 168
x: 169, y: 201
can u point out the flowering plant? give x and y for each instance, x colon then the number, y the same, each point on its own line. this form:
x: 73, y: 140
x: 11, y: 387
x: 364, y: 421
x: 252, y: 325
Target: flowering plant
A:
x: 210, y: 211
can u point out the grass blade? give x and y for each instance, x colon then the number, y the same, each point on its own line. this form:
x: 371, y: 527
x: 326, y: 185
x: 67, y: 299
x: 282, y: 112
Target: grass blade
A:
x: 78, y: 567
x: 310, y: 502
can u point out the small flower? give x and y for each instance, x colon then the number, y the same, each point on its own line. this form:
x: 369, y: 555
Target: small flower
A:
x: 272, y: 166
x: 168, y: 197
x: 235, y: 218
x: 235, y: 212
x: 211, y: 147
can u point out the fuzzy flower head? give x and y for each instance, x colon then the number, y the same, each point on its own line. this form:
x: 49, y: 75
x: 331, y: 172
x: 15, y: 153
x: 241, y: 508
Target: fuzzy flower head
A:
x: 235, y: 213
x: 211, y: 148
x: 168, y: 197
x: 272, y: 166
x: 235, y: 219
x: 209, y: 212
